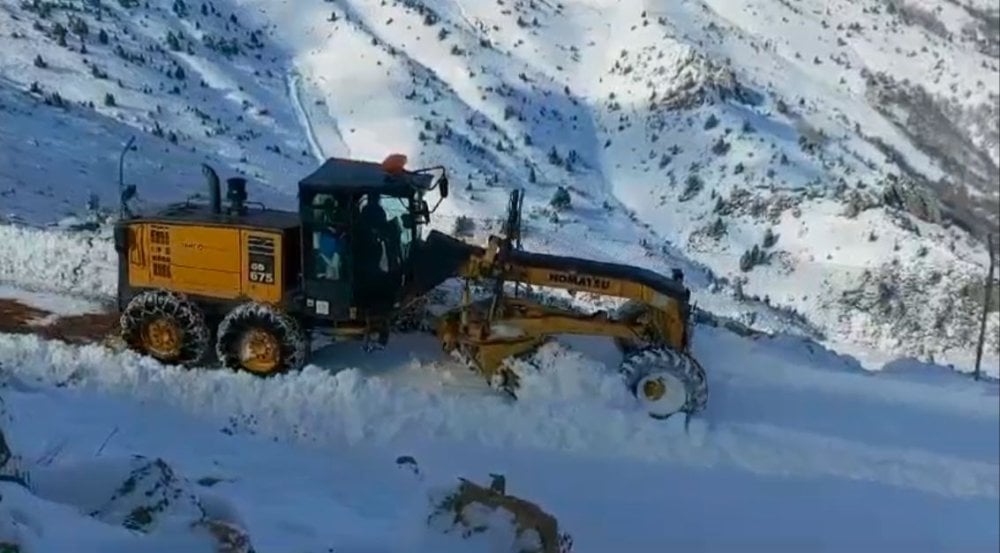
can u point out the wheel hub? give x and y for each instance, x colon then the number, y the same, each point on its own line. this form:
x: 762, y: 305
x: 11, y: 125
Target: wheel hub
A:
x: 661, y: 393
x: 260, y: 351
x: 162, y: 338
x: 654, y: 389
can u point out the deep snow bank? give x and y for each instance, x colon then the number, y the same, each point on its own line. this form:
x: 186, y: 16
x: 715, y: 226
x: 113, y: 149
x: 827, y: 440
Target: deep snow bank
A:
x: 55, y: 260
x: 111, y: 504
x: 314, y: 499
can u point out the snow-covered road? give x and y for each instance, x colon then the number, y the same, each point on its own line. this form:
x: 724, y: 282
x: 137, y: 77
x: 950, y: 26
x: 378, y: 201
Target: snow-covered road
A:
x: 784, y: 425
x: 294, y: 82
x: 811, y: 421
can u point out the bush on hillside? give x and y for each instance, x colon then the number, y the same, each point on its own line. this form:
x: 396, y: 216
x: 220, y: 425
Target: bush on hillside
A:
x: 561, y: 200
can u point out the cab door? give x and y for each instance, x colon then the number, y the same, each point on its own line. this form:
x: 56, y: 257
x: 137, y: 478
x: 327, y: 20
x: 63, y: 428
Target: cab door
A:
x: 328, y: 260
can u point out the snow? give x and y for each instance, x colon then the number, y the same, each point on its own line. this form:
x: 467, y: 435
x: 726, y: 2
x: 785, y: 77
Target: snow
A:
x: 572, y: 404
x: 883, y: 456
x: 850, y: 427
x: 78, y: 263
x: 826, y: 253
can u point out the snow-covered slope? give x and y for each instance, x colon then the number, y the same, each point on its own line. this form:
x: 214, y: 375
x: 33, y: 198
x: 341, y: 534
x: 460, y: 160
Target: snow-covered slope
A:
x: 813, y: 166
x: 767, y: 141
x: 77, y: 79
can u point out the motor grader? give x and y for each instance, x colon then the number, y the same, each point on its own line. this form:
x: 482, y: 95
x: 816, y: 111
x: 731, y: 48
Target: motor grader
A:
x: 248, y: 287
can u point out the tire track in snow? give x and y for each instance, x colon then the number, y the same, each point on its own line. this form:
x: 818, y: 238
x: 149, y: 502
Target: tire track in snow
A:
x: 294, y: 80
x: 296, y: 86
x: 574, y: 406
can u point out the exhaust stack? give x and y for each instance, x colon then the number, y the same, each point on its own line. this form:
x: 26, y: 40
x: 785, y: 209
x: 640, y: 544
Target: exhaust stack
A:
x: 237, y: 194
x: 214, y: 190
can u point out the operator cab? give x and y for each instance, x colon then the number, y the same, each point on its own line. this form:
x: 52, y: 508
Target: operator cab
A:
x: 360, y: 221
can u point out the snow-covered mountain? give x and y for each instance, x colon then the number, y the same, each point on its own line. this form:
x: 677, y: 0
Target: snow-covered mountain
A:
x: 824, y: 166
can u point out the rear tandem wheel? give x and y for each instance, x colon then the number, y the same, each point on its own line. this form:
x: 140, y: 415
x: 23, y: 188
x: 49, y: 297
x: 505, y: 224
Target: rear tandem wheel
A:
x: 166, y: 326
x: 262, y: 340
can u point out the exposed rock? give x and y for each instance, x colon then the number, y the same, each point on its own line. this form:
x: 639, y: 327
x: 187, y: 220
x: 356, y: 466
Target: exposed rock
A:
x: 904, y: 194
x: 228, y: 537
x: 963, y: 140
x: 150, y: 492
x: 475, y: 509
x: 858, y: 202
x: 911, y: 307
x: 699, y: 80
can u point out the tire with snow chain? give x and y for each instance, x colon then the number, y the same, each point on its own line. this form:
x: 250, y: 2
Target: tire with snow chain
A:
x: 166, y: 326
x: 262, y: 340
x: 666, y: 381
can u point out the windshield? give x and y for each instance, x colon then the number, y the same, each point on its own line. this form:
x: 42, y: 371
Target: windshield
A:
x: 381, y: 218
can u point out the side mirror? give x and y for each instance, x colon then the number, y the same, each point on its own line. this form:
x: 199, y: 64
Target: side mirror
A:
x: 443, y: 186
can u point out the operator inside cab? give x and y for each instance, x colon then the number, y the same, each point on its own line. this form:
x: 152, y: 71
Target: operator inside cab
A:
x: 379, y: 255
x: 374, y: 223
x: 329, y: 242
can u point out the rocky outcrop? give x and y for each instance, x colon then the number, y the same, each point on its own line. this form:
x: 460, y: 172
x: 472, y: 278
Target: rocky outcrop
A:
x: 474, y: 509
x: 143, y: 495
x: 904, y: 194
x: 925, y: 311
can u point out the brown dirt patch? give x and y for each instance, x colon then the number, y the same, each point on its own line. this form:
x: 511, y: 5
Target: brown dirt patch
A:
x: 18, y: 318
x: 15, y: 315
x: 527, y: 515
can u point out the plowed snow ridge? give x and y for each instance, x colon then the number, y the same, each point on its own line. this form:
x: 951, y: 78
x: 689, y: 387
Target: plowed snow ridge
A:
x: 573, y: 405
x: 82, y: 263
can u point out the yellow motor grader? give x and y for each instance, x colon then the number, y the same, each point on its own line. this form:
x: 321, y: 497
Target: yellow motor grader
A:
x: 251, y: 285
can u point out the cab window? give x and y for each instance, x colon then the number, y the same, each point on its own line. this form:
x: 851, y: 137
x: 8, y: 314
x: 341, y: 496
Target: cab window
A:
x: 381, y: 217
x: 329, y: 238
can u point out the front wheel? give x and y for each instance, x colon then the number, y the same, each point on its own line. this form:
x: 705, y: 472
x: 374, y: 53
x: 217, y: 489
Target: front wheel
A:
x: 262, y: 340
x: 666, y: 381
